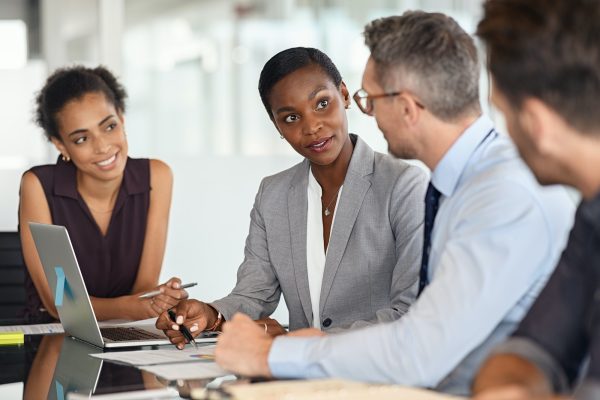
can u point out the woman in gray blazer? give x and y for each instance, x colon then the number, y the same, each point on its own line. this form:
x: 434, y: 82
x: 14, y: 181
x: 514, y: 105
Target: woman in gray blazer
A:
x: 339, y: 234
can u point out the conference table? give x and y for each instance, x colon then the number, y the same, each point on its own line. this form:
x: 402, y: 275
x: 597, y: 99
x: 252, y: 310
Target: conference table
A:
x: 56, y: 366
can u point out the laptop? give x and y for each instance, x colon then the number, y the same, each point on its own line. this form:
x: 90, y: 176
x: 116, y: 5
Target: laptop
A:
x: 73, y: 302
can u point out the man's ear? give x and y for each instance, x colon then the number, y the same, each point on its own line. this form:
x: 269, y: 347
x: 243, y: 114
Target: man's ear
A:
x: 539, y: 122
x: 407, y: 108
x: 60, y: 146
x: 345, y: 94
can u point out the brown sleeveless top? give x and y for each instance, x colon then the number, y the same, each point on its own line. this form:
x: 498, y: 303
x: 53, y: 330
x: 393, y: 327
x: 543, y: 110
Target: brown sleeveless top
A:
x: 109, y: 264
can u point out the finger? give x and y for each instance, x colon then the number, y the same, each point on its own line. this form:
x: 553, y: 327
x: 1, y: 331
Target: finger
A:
x: 172, y: 301
x: 174, y: 335
x: 188, y: 309
x: 163, y: 322
x: 179, y: 342
x: 157, y: 309
x: 177, y: 294
x: 242, y: 318
x: 174, y: 283
x: 161, y: 303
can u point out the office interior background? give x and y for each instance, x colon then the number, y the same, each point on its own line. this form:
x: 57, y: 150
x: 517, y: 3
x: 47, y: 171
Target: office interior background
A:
x: 191, y: 69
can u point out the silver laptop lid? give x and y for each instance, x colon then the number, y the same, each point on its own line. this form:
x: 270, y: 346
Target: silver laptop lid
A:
x: 62, y: 272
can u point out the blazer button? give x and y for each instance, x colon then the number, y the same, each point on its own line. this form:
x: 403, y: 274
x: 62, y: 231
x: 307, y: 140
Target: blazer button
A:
x: 327, y: 322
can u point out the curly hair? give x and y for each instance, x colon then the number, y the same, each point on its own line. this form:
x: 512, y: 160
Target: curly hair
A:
x: 72, y: 83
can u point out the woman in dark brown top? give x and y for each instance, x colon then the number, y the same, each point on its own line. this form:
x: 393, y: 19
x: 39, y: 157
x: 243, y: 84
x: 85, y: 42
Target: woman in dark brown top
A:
x: 115, y: 208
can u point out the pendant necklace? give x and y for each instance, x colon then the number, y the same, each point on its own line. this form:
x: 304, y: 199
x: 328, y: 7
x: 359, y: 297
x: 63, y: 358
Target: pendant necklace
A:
x: 327, y: 212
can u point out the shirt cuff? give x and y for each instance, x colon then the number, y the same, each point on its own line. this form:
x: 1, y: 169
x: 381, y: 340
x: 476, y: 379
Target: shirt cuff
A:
x: 287, y: 357
x: 537, y: 355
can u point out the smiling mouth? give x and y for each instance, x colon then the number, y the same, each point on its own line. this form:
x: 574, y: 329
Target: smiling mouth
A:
x: 108, y: 161
x: 318, y: 144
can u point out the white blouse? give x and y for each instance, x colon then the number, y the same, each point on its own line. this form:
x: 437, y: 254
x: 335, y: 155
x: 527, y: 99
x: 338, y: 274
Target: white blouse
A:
x: 315, y: 255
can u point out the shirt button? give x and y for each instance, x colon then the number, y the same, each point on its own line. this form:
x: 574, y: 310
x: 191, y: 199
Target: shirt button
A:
x: 326, y: 322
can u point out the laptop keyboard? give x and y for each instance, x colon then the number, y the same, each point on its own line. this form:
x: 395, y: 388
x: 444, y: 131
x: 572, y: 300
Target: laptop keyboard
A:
x: 128, y: 334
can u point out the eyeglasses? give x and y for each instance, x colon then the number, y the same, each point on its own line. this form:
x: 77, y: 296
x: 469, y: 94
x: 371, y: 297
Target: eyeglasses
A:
x: 364, y: 101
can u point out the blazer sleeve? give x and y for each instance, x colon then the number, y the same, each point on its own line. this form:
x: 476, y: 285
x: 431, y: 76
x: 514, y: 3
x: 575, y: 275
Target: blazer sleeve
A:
x: 257, y: 290
x: 406, y: 213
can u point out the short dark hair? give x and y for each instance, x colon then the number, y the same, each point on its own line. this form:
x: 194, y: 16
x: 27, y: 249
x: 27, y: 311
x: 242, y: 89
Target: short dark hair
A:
x: 287, y: 61
x: 549, y: 50
x: 432, y: 55
x: 72, y: 83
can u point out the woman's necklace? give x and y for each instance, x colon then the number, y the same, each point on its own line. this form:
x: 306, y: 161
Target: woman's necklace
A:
x: 327, y: 212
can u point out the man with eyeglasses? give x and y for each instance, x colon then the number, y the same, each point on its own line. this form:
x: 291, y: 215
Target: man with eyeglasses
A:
x: 492, y: 233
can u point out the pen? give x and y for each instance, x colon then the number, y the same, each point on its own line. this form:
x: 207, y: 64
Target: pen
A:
x: 157, y: 292
x: 184, y: 331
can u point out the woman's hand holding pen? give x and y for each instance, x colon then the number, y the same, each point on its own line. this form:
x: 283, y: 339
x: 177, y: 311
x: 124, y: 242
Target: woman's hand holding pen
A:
x: 195, y: 315
x: 170, y: 295
x: 135, y: 307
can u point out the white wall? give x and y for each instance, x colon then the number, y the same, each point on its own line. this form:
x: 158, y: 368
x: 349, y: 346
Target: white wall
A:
x: 22, y: 142
x: 210, y: 217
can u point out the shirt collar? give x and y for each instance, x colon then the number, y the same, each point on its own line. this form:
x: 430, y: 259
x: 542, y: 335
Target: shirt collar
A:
x: 65, y: 180
x: 447, y: 173
x: 313, y: 184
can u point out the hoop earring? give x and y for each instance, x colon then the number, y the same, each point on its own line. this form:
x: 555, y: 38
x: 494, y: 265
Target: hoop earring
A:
x: 66, y: 158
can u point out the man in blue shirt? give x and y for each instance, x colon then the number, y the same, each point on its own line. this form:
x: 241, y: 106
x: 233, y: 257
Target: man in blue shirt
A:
x: 552, y: 114
x: 492, y: 235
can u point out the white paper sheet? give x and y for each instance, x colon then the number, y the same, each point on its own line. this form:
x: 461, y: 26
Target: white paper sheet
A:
x: 12, y: 390
x: 44, y: 329
x: 196, y: 370
x: 154, y: 394
x: 329, y: 389
x: 39, y: 329
x: 169, y: 355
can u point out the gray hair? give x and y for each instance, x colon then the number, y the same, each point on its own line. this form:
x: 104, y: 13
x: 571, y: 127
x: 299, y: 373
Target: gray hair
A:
x: 430, y: 55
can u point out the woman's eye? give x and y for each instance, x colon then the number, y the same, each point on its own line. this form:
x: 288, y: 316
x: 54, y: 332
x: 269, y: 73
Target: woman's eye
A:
x: 80, y: 140
x: 291, y: 118
x: 322, y: 104
x: 111, y: 126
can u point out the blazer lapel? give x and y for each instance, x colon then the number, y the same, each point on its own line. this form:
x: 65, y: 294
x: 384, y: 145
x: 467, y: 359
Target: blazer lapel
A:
x: 297, y: 209
x: 356, y: 185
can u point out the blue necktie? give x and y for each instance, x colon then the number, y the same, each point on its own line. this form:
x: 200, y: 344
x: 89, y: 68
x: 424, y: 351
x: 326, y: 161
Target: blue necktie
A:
x: 432, y: 201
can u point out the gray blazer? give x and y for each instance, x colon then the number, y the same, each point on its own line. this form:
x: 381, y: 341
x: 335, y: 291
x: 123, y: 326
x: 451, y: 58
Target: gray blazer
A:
x: 374, y: 255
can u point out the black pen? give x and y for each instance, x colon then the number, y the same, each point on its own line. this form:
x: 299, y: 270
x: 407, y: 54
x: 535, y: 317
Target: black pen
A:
x: 184, y: 331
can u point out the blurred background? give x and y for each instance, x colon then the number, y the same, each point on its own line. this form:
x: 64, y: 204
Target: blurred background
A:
x: 191, y: 69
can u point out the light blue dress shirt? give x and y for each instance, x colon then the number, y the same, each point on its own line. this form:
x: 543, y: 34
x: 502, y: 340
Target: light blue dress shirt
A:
x: 497, y: 237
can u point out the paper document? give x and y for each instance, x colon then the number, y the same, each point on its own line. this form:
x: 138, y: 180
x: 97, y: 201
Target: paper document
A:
x: 169, y: 355
x: 154, y: 394
x: 44, y: 329
x: 197, y: 370
x: 329, y: 389
x: 39, y: 329
x: 12, y: 390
